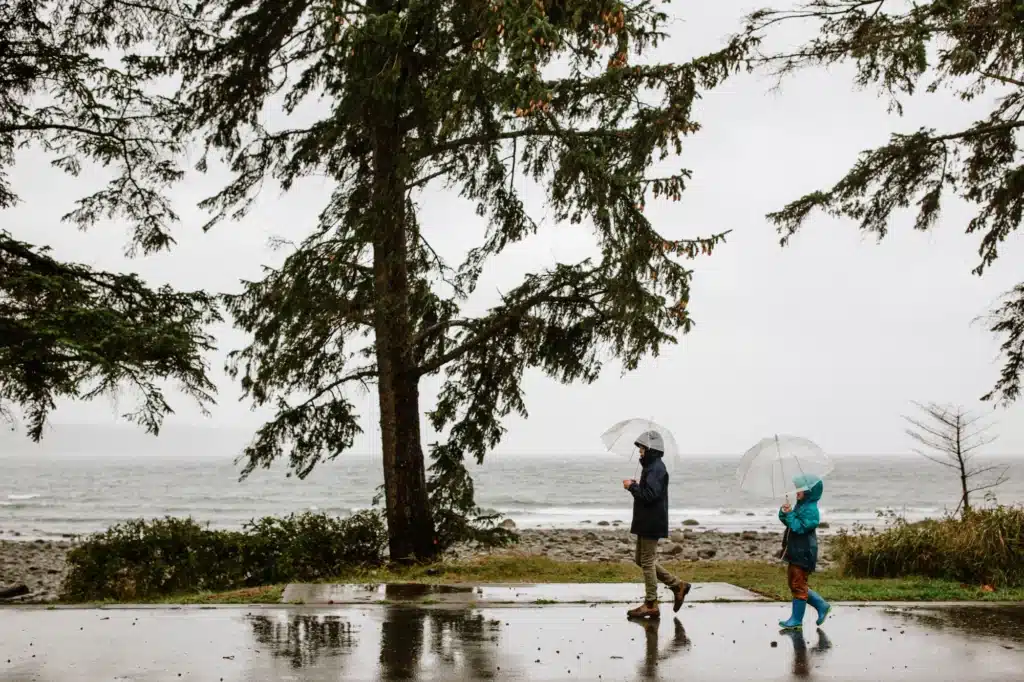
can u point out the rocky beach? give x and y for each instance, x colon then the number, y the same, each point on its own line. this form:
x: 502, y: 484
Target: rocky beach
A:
x: 40, y: 565
x: 37, y: 565
x: 616, y: 544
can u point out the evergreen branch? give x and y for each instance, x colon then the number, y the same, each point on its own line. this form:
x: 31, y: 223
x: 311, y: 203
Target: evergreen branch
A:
x: 1007, y: 320
x: 501, y: 320
x: 490, y: 138
x: 11, y: 128
x: 67, y: 330
x: 1004, y: 79
x: 434, y: 329
x: 359, y: 375
x: 978, y: 131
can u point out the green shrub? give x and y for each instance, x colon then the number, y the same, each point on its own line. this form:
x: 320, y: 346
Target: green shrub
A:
x: 984, y: 547
x: 143, y: 559
x: 312, y: 546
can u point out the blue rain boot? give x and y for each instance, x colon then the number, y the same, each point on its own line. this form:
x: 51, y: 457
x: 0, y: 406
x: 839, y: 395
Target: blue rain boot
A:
x: 796, y: 621
x: 820, y: 605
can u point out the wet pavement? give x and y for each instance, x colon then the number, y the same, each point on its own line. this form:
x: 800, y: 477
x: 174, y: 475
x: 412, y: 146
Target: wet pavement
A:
x: 726, y: 641
x: 492, y: 595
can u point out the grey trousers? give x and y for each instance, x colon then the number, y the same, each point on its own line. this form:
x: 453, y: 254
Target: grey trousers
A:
x: 647, y: 559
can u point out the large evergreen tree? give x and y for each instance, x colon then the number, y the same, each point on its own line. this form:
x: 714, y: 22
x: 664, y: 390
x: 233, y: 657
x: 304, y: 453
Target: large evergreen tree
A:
x: 462, y: 95
x: 68, y: 330
x: 972, y: 48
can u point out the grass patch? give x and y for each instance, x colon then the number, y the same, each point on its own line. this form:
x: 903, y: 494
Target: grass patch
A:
x: 268, y: 594
x: 768, y: 579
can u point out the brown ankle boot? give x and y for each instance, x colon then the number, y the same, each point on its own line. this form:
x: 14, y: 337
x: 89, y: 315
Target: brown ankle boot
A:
x: 680, y: 592
x: 649, y: 609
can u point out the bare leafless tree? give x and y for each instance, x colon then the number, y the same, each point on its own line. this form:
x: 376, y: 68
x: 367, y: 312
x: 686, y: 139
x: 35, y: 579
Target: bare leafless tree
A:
x: 951, y: 436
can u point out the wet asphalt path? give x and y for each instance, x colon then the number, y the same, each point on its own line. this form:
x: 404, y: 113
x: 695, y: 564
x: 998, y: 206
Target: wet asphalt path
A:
x: 707, y: 641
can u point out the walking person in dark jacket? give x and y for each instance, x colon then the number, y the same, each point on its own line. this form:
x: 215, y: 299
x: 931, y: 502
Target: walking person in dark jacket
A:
x: 801, y: 550
x: 650, y: 524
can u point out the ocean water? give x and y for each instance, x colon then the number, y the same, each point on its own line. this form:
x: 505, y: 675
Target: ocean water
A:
x: 46, y: 497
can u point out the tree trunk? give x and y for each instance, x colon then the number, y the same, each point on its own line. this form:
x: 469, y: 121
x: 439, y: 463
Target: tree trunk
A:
x: 410, y: 524
x: 964, y: 501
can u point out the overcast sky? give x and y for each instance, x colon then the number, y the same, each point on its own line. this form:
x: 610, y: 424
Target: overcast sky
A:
x: 830, y: 338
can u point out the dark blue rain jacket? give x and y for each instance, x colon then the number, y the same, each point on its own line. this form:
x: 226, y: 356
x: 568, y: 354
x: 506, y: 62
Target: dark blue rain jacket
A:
x: 650, y: 498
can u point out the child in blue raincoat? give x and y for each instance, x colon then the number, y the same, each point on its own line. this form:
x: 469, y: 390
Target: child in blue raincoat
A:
x: 801, y: 550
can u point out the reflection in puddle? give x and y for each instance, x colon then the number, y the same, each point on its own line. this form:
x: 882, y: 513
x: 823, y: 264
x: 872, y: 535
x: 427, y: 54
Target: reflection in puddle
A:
x: 801, y: 656
x: 1002, y: 622
x: 449, y: 644
x: 304, y: 639
x: 401, y: 644
x: 457, y: 643
x: 652, y: 655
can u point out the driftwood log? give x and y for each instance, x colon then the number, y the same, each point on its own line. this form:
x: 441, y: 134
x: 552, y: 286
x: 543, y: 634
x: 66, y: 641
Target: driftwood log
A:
x: 13, y: 591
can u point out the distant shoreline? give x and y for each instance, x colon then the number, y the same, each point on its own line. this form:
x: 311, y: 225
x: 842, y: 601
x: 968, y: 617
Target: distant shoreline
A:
x: 703, y: 521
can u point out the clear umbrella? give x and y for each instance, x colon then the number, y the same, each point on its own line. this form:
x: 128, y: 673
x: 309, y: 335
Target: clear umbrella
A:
x: 623, y: 438
x: 768, y: 468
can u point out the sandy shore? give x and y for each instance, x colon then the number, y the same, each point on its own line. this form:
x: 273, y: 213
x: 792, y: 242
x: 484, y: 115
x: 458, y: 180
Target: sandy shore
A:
x: 41, y: 566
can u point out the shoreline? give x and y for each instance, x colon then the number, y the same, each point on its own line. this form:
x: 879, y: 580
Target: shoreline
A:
x: 698, y: 524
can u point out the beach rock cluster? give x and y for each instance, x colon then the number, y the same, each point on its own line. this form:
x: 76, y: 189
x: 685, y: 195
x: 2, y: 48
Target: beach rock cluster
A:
x: 38, y: 565
x: 684, y: 544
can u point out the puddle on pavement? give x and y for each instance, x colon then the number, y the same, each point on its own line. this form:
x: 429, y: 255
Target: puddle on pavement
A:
x: 1002, y: 622
x: 409, y: 638
x: 406, y: 642
x: 401, y: 641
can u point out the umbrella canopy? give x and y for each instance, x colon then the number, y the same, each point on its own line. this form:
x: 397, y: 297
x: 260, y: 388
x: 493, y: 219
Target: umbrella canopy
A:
x: 624, y: 437
x: 769, y: 468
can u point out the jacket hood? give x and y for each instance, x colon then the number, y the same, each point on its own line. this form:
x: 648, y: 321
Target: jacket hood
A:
x: 651, y: 440
x: 813, y: 484
x: 653, y: 445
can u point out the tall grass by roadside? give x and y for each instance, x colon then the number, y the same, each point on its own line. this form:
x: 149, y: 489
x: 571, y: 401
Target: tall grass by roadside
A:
x: 985, y: 547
